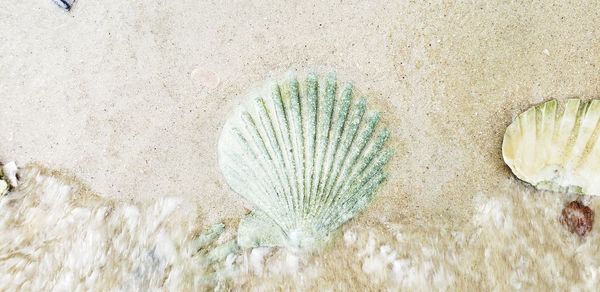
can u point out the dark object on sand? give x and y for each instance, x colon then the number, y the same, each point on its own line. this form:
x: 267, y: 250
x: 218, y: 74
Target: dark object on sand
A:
x: 578, y: 218
x: 64, y: 4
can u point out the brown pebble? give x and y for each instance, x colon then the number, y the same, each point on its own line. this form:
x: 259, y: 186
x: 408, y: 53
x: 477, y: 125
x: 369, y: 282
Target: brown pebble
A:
x: 578, y: 218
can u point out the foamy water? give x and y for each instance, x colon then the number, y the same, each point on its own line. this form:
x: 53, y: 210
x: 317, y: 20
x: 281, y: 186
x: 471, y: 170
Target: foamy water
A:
x: 57, y: 235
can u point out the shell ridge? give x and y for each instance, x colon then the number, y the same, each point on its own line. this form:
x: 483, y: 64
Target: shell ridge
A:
x: 591, y: 149
x: 350, y: 135
x: 560, y: 111
x: 353, y: 205
x: 574, y: 135
x: 562, y: 128
x: 372, y: 152
x: 585, y: 138
x: 542, y: 124
x: 347, y: 136
x: 284, y: 128
x: 374, y: 177
x: 365, y: 137
x: 592, y: 114
x: 289, y: 162
x: 520, y: 121
x: 276, y: 148
x: 370, y: 171
x: 283, y: 119
x: 255, y: 186
x: 311, y: 124
x: 349, y: 160
x: 256, y: 149
x: 298, y: 144
x: 333, y: 144
x: 260, y: 150
x: 367, y: 186
x: 585, y: 129
x: 540, y: 131
x: 530, y: 132
x: 265, y: 146
x: 324, y: 128
x: 549, y: 130
x: 558, y: 118
x: 312, y: 85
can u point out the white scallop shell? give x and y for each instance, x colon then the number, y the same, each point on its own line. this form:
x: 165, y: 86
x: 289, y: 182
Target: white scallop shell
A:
x: 306, y: 156
x: 555, y: 148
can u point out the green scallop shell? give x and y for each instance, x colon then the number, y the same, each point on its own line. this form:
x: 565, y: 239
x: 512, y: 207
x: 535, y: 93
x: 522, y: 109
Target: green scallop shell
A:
x: 307, y: 155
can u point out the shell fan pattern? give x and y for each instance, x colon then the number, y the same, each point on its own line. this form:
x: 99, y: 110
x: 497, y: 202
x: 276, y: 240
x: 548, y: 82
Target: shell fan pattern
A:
x: 307, y: 155
x: 556, y: 148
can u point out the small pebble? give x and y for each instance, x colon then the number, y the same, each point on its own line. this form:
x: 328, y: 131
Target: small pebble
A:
x: 10, y: 173
x: 578, y: 218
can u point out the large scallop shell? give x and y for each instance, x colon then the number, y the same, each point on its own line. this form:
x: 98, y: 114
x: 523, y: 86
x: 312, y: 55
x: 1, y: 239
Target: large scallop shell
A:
x: 306, y: 156
x: 555, y: 148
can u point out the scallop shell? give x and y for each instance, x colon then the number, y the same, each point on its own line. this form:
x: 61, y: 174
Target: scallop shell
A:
x: 307, y: 156
x: 4, y: 187
x: 555, y: 148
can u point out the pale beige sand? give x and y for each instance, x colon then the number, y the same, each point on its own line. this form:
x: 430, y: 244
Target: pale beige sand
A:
x: 109, y: 94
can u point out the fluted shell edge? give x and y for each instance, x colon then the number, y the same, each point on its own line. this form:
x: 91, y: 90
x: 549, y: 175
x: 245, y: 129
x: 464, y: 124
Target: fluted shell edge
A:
x: 307, y: 154
x: 556, y: 147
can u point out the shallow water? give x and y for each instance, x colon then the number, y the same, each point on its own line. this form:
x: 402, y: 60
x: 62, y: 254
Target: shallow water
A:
x: 57, y: 234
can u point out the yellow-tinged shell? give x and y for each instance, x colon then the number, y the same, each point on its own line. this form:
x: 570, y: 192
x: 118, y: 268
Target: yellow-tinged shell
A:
x: 554, y: 147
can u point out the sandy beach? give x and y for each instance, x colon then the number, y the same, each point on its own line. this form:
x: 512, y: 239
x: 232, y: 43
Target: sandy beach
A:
x: 130, y: 97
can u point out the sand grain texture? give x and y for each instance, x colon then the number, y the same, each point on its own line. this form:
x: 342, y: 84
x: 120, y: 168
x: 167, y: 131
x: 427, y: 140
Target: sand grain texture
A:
x: 108, y: 92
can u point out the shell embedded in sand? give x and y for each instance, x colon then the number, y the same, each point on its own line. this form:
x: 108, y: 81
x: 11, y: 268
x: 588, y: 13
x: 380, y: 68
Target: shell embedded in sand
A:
x: 8, y: 177
x: 307, y: 155
x: 3, y: 187
x: 555, y: 148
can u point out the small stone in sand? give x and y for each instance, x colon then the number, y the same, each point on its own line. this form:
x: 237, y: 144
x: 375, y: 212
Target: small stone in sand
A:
x: 578, y: 218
